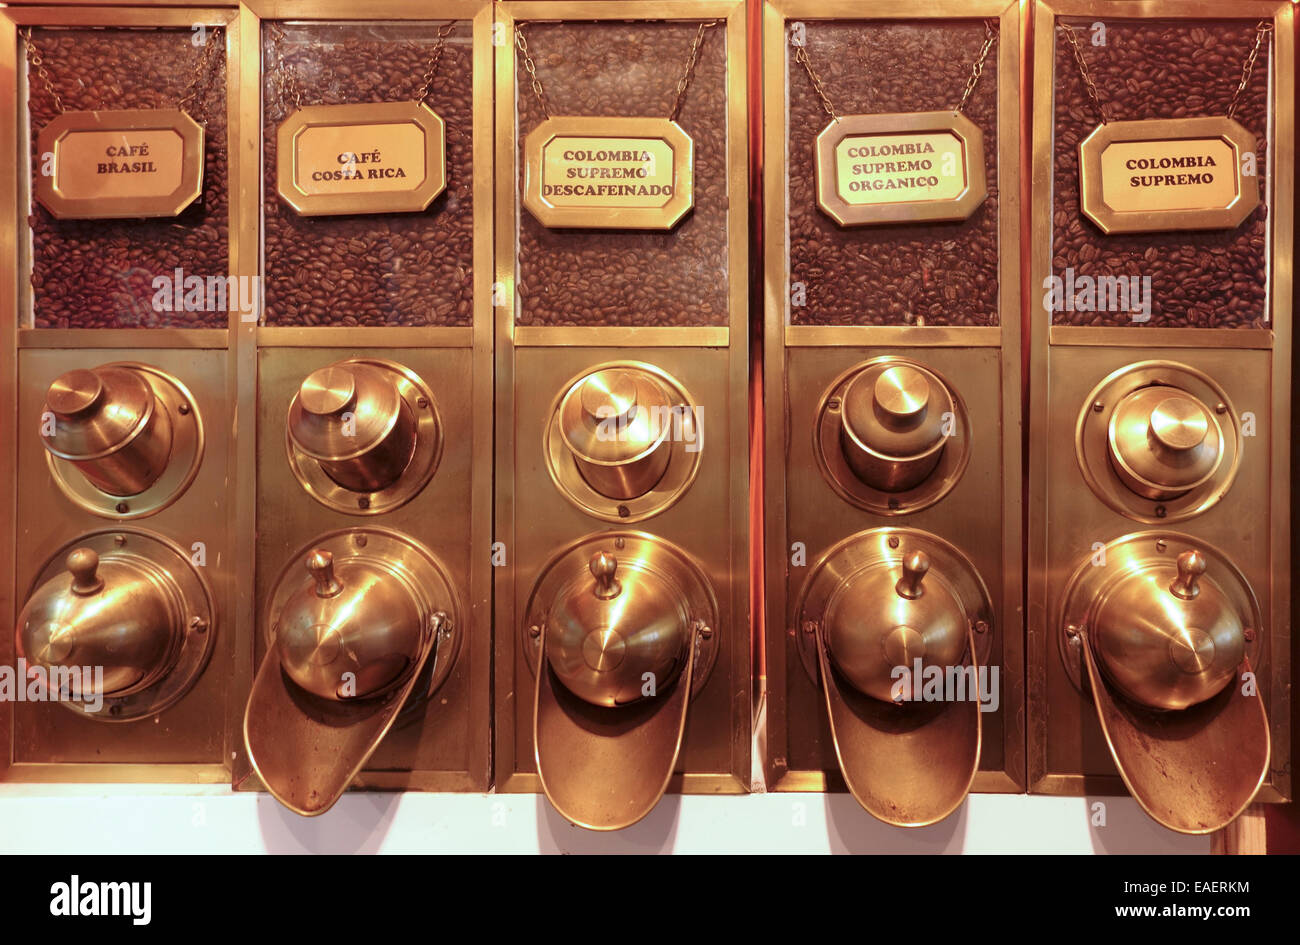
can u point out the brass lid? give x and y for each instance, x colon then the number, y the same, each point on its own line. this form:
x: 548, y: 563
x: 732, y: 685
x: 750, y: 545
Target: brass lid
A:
x: 119, y: 613
x: 1166, y: 634
x: 614, y: 416
x: 896, y: 411
x: 352, y: 631
x: 1165, y: 440
x: 99, y: 411
x: 888, y: 616
x: 605, y: 630
x: 342, y: 411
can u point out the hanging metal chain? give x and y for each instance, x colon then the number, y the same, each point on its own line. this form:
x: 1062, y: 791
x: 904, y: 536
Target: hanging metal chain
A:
x: 195, y: 98
x: 1089, y: 86
x: 1262, y: 29
x: 977, y: 70
x: 426, y: 83
x: 801, y: 56
x: 522, y: 45
x: 37, y: 62
x: 685, y: 81
x: 286, y: 75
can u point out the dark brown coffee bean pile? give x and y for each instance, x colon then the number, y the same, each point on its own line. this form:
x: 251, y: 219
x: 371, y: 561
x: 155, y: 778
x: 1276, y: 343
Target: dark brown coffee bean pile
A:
x: 629, y: 277
x: 383, y: 268
x: 99, y: 273
x: 1162, y: 69
x: 930, y: 273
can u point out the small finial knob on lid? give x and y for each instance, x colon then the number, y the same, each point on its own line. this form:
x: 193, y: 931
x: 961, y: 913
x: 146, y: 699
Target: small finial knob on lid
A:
x: 321, y: 565
x: 83, y: 564
x: 1179, y: 423
x: 902, y: 392
x: 915, y: 566
x: 328, y: 390
x: 603, y: 567
x: 1191, y: 565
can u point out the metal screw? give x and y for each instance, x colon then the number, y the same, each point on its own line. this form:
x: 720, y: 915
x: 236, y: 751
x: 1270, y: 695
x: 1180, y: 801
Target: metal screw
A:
x: 623, y: 511
x: 810, y: 626
x: 1249, y: 634
x: 119, y: 540
x: 422, y: 401
x: 122, y: 508
x: 1072, y: 632
x: 706, y: 632
x: 619, y: 542
x: 893, y: 541
x: 198, y: 624
x: 1098, y: 407
x: 183, y: 409
x: 894, y: 505
x: 360, y: 540
x: 1160, y: 511
x: 1161, y: 545
x: 364, y: 502
x: 534, y: 631
x: 1220, y: 408
x: 833, y: 404
x: 981, y: 626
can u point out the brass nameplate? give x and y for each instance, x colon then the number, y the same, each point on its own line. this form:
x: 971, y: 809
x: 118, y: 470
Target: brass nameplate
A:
x: 1168, y: 174
x: 388, y: 157
x: 141, y: 162
x: 900, y: 168
x: 617, y: 173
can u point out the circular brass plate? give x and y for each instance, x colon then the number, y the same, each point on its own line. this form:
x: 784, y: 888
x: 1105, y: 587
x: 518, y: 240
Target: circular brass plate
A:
x: 1092, y: 438
x: 182, y: 465
x: 410, y: 563
x: 199, y: 613
x: 835, y: 469
x: 1090, y: 585
x: 420, y: 469
x: 683, y: 457
x: 634, y: 550
x: 873, y: 548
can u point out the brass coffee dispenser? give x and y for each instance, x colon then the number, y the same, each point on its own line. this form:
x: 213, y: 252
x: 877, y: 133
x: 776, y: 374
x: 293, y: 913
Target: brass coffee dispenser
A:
x: 1159, y: 567
x: 623, y: 663
x: 891, y: 394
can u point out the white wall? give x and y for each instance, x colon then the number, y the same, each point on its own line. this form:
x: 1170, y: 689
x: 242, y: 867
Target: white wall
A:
x: 185, y: 819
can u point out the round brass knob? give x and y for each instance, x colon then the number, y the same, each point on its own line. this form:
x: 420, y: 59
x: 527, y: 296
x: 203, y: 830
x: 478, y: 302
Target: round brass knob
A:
x: 109, y: 425
x: 124, y: 614
x: 351, y: 419
x: 615, y: 423
x: 1163, y: 442
x: 1168, y: 637
x: 603, y: 568
x: 887, y: 616
x: 892, y: 425
x: 353, y: 631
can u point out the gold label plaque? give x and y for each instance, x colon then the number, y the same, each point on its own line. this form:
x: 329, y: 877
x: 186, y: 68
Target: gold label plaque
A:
x: 143, y: 162
x: 900, y: 168
x: 1168, y: 174
x: 388, y: 157
x: 615, y: 173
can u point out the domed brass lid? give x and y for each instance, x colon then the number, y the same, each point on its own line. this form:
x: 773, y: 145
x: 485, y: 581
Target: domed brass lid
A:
x: 343, y: 410
x: 352, y: 631
x: 896, y: 410
x: 98, y: 411
x: 606, y: 630
x: 120, y: 613
x: 888, y: 616
x: 1166, y: 634
x: 614, y: 416
x: 1164, y: 440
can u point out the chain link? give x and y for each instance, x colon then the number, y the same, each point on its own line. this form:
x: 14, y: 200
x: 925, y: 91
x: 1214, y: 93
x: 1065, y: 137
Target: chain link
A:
x: 522, y: 45
x: 1262, y: 29
x: 977, y: 70
x: 426, y: 82
x: 1089, y: 86
x: 685, y: 81
x: 195, y: 97
x: 35, y: 60
x: 801, y: 57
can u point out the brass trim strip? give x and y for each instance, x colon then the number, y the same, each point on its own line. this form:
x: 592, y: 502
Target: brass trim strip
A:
x: 540, y: 336
x: 396, y: 337
x: 84, y: 338
x: 1262, y: 338
x: 909, y: 336
x: 10, y: 224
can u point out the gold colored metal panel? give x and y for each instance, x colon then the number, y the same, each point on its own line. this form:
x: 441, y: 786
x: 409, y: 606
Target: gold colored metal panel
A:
x: 1068, y: 753
x: 981, y: 514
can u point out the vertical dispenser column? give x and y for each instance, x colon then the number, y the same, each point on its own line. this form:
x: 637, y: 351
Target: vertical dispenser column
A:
x: 117, y: 379
x: 891, y: 404
x: 371, y: 649
x: 621, y: 598
x: 1159, y: 594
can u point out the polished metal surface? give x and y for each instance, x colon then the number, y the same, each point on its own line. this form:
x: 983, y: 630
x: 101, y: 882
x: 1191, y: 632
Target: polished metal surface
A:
x: 1164, y: 442
x: 349, y: 641
x: 873, y: 607
x: 892, y: 436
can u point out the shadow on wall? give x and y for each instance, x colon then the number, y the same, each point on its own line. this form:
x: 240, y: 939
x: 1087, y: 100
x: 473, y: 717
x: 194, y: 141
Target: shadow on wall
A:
x: 359, y: 826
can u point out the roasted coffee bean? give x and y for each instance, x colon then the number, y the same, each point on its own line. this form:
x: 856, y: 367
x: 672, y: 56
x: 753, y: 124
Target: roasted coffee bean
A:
x: 372, y: 269
x: 99, y: 273
x: 931, y: 273
x: 1162, y: 69
x: 630, y: 277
